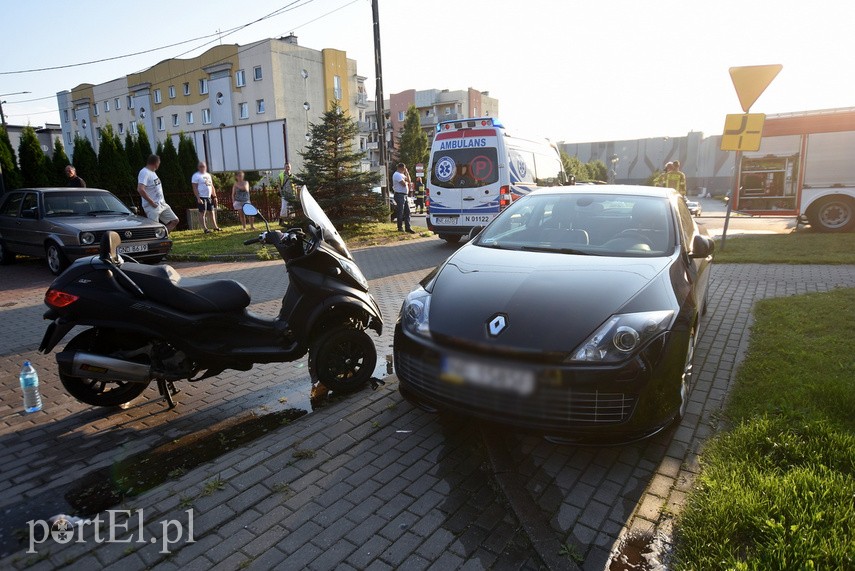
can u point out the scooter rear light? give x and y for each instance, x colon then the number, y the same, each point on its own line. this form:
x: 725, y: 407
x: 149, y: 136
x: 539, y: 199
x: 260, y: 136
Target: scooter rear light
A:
x: 59, y: 299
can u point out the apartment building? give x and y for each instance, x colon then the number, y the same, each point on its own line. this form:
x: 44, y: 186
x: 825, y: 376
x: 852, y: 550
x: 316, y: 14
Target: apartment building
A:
x: 246, y: 107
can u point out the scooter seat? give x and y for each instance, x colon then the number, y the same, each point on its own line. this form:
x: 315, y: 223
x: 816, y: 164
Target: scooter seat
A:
x: 191, y: 295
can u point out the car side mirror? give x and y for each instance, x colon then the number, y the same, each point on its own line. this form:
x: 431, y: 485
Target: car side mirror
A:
x: 29, y: 213
x: 475, y: 231
x: 702, y: 246
x: 135, y: 210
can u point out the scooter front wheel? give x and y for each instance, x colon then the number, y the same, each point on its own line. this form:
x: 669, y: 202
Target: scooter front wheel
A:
x: 343, y: 359
x: 98, y: 392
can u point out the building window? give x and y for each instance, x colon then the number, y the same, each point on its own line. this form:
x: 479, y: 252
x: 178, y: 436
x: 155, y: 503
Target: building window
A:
x: 259, y: 105
x: 106, y: 106
x: 175, y: 119
x: 240, y: 78
x: 203, y: 86
x: 130, y: 102
x: 133, y: 127
x: 121, y: 128
x: 66, y: 115
x: 337, y: 87
x: 400, y: 115
x: 157, y: 97
x: 186, y: 88
x: 206, y: 116
x: 96, y: 109
x: 256, y: 71
x: 68, y: 139
x: 474, y: 111
x: 448, y: 110
x: 172, y: 92
x: 244, y: 110
x: 118, y: 103
x: 189, y: 117
x: 98, y: 132
x: 160, y: 125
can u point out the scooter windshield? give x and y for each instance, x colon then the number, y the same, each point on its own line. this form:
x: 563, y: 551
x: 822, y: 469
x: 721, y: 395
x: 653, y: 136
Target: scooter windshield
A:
x: 317, y: 215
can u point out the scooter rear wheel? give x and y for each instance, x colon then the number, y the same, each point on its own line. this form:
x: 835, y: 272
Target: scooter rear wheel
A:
x: 99, y: 392
x: 343, y: 359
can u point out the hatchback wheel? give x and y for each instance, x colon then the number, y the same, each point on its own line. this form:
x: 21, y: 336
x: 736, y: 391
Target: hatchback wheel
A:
x: 56, y: 260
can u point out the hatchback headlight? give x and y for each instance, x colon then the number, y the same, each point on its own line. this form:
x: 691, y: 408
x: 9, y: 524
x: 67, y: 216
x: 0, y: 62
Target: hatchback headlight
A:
x: 160, y: 233
x: 415, y: 313
x: 87, y: 238
x: 621, y: 335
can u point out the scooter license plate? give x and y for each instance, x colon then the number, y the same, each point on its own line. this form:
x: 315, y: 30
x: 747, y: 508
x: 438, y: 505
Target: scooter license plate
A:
x: 132, y: 248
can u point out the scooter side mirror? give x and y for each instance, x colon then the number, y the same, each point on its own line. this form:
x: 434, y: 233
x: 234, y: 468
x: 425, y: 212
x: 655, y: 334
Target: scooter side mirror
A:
x: 250, y: 210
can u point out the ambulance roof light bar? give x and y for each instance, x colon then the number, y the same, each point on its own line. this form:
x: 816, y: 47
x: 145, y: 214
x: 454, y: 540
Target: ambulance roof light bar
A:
x: 469, y: 124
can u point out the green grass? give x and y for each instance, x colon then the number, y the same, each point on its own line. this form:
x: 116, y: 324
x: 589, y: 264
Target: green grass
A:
x: 776, y: 491
x: 195, y: 244
x: 796, y: 248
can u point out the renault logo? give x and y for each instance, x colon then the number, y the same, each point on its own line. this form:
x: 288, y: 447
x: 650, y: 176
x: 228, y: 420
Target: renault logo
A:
x: 128, y: 234
x: 498, y: 324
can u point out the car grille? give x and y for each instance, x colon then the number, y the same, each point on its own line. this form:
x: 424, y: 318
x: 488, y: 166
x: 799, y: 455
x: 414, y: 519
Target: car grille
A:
x: 136, y: 234
x: 546, y: 406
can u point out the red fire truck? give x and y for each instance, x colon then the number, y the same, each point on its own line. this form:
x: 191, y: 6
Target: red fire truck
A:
x: 805, y: 167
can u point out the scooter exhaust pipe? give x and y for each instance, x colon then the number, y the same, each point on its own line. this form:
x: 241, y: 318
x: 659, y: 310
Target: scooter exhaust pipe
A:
x: 92, y: 366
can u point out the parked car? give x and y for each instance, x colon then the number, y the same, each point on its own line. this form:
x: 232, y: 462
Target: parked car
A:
x: 392, y: 206
x: 62, y: 224
x: 575, y: 313
x: 694, y: 207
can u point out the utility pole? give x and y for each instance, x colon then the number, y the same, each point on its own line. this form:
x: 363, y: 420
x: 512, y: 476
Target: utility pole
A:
x: 381, y: 111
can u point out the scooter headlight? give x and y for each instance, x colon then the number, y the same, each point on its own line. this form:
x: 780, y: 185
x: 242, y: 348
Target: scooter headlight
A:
x: 415, y: 313
x: 353, y: 271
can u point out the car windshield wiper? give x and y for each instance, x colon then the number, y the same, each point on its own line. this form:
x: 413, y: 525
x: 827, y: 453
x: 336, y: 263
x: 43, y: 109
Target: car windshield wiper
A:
x: 558, y: 250
x: 96, y: 212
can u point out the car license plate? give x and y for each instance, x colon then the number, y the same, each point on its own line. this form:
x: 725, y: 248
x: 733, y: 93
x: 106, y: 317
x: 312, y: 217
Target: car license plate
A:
x: 477, y: 218
x: 445, y: 220
x: 478, y: 373
x: 132, y: 248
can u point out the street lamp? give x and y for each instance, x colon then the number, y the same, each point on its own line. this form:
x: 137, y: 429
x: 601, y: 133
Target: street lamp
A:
x: 2, y: 116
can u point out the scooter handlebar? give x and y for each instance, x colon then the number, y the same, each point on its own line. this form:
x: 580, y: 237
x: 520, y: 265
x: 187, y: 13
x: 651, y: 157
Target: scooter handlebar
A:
x: 270, y: 237
x: 252, y: 241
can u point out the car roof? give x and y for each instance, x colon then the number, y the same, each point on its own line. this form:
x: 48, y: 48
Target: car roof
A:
x: 59, y: 189
x: 625, y: 189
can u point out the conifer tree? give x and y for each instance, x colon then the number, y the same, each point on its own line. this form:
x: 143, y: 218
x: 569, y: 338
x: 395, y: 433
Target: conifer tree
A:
x: 132, y: 151
x: 32, y: 160
x: 86, y: 162
x: 175, y: 189
x: 187, y: 158
x: 58, y: 163
x: 331, y: 171
x: 144, y: 145
x: 412, y: 142
x: 8, y: 162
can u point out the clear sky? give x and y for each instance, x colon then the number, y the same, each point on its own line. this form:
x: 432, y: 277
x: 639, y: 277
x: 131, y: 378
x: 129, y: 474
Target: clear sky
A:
x: 571, y: 70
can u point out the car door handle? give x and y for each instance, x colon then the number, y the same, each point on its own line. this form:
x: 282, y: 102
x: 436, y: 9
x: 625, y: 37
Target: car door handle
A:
x: 469, y: 198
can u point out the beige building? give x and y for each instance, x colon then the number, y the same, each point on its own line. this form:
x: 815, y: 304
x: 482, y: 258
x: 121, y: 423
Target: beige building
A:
x: 246, y: 107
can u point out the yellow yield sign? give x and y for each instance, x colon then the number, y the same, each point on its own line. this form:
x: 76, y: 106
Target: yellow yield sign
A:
x: 751, y: 80
x: 742, y: 132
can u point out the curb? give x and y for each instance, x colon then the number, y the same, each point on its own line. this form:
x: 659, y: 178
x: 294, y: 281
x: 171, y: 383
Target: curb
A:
x: 534, y: 523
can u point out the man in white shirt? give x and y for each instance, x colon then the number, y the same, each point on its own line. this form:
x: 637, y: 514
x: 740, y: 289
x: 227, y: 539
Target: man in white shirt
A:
x: 401, y: 186
x: 151, y: 191
x: 206, y: 196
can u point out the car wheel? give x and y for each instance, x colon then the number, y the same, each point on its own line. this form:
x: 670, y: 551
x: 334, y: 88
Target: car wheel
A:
x: 450, y: 238
x: 686, y: 378
x: 833, y: 214
x: 56, y: 260
x: 6, y: 257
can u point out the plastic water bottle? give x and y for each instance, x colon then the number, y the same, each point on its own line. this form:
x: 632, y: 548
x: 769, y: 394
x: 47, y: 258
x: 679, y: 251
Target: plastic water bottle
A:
x: 30, y: 386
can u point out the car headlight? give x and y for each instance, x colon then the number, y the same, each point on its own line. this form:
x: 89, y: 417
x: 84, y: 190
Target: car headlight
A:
x: 621, y: 335
x: 415, y: 313
x: 353, y: 270
x: 87, y: 238
x: 160, y: 233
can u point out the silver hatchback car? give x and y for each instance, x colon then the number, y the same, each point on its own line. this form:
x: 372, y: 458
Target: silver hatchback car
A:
x: 63, y: 224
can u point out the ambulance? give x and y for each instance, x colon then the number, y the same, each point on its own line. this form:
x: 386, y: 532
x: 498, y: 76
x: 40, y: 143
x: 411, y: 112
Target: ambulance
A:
x: 476, y: 170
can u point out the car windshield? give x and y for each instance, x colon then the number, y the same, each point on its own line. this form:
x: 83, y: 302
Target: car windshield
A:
x: 584, y: 224
x: 82, y: 203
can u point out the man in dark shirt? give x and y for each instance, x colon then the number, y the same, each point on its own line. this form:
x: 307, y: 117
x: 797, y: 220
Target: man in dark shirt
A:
x: 74, y: 181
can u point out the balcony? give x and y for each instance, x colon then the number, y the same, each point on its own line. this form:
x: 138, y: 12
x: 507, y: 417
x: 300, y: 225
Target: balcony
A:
x: 364, y: 127
x: 362, y: 99
x: 429, y: 120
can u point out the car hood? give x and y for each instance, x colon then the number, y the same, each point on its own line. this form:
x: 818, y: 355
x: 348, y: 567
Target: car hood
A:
x: 102, y: 222
x: 552, y: 302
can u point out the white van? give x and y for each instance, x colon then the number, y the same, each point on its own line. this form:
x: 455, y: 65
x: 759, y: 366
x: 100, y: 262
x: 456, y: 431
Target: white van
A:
x: 476, y: 170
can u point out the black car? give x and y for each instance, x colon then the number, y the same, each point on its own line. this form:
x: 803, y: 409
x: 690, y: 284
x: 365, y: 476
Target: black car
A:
x: 574, y: 313
x: 63, y: 224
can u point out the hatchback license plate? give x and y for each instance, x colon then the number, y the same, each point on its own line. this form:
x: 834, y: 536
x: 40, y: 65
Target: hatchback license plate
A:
x: 132, y: 248
x: 500, y: 378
